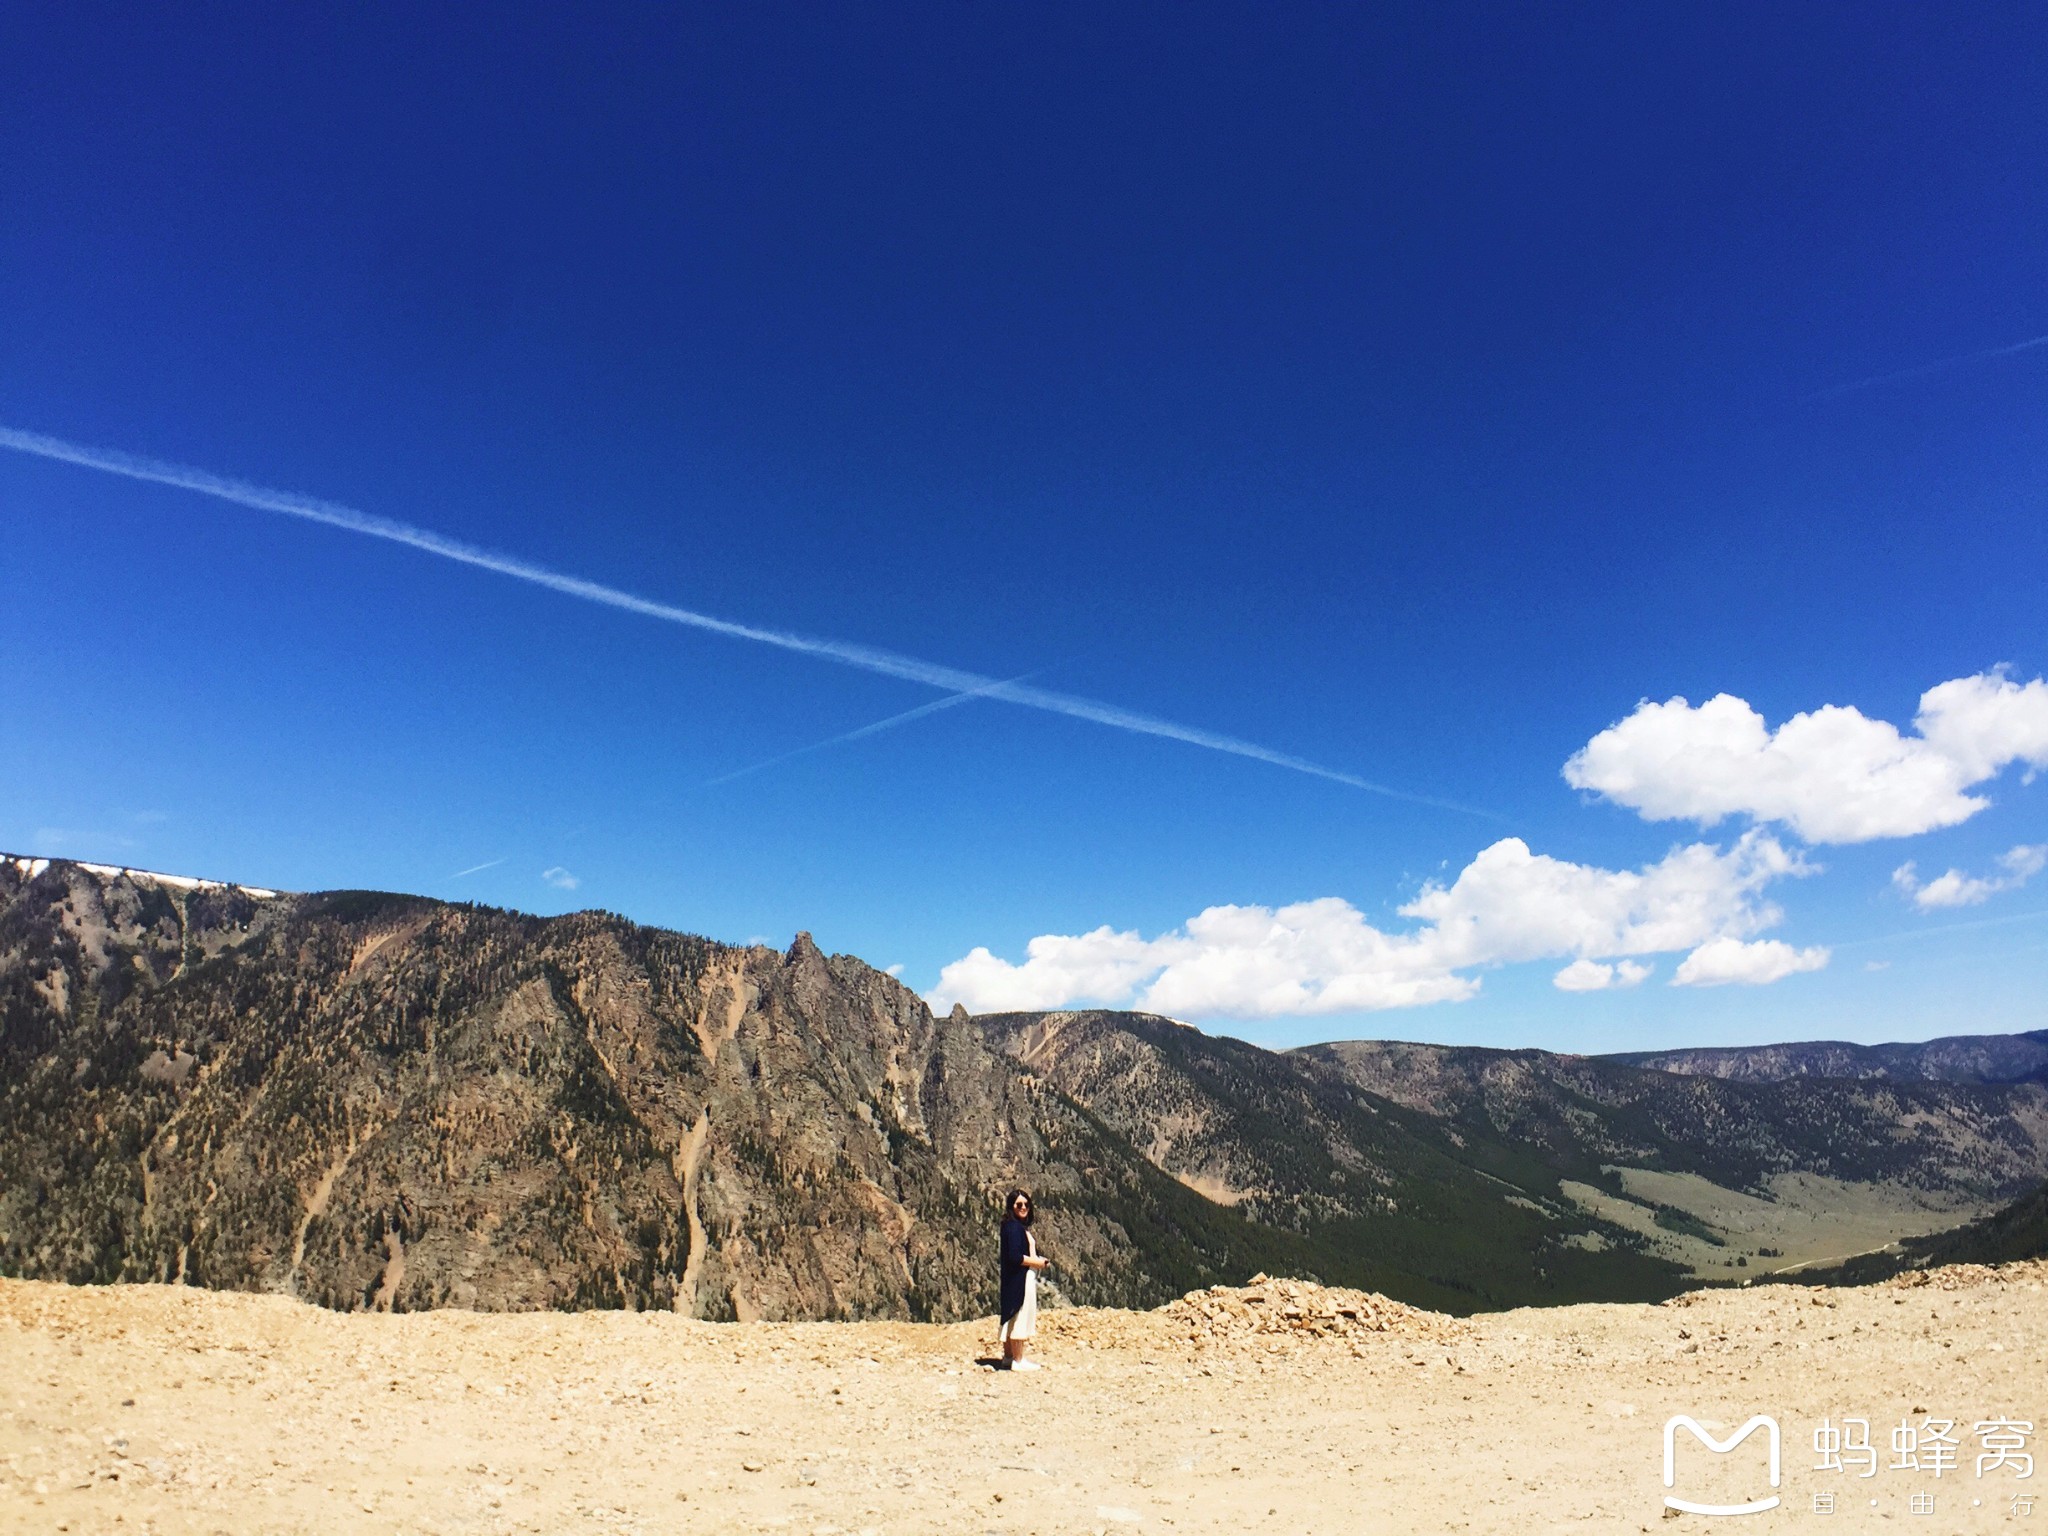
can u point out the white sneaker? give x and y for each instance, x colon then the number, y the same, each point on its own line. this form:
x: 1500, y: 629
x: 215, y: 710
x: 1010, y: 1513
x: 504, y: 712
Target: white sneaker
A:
x: 1024, y: 1365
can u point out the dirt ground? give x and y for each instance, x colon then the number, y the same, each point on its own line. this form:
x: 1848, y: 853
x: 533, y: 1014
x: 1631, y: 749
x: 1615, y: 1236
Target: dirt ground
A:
x: 153, y: 1409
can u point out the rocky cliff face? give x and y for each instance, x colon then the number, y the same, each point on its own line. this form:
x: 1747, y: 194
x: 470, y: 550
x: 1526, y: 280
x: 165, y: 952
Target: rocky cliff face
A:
x: 382, y: 1101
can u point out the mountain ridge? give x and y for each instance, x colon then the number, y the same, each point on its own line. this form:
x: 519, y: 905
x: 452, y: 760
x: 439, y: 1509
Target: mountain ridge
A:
x: 376, y: 1100
x: 1720, y: 1175
x: 2013, y: 1058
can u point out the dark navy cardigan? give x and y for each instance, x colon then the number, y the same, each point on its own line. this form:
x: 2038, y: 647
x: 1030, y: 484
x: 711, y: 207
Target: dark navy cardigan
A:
x: 1015, y: 1246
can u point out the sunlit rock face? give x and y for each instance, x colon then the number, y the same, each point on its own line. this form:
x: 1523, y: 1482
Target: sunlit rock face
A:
x: 382, y: 1101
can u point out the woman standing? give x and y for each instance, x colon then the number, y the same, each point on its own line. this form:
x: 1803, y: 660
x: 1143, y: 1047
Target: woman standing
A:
x: 1021, y: 1265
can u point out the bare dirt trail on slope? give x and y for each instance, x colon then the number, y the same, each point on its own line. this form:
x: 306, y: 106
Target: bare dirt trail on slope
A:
x: 160, y: 1409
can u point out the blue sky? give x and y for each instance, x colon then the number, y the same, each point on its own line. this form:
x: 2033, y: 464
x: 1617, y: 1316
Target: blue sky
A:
x: 1411, y: 393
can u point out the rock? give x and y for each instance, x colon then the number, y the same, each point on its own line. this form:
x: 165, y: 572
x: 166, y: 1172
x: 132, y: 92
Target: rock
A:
x: 1282, y: 1310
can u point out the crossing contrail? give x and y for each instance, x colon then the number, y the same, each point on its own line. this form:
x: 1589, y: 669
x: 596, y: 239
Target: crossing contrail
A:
x: 846, y: 652
x: 1937, y: 366
x: 908, y: 715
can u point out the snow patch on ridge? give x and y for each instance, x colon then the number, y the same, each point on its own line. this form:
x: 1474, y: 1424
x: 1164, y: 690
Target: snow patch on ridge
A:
x: 32, y: 867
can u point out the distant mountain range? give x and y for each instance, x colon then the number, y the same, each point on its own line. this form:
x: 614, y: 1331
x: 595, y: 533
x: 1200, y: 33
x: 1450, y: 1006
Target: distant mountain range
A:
x: 1957, y: 1059
x: 373, y: 1100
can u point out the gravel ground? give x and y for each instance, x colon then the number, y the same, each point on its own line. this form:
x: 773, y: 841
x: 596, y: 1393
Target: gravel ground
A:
x: 156, y: 1409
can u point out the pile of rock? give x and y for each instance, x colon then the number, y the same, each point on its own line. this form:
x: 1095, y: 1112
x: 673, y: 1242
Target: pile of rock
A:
x: 1967, y: 1277
x: 1298, y: 1309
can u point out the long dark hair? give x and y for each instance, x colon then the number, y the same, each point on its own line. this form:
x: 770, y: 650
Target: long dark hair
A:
x: 1010, y: 1206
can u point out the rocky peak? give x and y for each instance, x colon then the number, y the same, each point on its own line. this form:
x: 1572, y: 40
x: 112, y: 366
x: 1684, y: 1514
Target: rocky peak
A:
x: 370, y: 1100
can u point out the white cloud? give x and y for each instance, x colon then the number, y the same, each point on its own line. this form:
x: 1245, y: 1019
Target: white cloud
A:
x: 1956, y: 889
x: 560, y: 878
x: 1720, y: 962
x: 1322, y: 956
x: 1510, y: 904
x: 1057, y: 969
x: 1597, y: 976
x: 1312, y: 957
x: 1833, y: 775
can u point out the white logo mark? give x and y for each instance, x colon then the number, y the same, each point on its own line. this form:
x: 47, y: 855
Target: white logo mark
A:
x: 1719, y: 1448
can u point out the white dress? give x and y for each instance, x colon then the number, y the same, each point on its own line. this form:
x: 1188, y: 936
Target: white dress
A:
x: 1025, y: 1323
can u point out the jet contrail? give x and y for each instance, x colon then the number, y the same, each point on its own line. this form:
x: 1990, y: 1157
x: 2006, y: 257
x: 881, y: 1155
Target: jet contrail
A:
x: 476, y: 869
x: 845, y: 652
x: 908, y: 715
x: 1932, y: 928
x: 1926, y: 368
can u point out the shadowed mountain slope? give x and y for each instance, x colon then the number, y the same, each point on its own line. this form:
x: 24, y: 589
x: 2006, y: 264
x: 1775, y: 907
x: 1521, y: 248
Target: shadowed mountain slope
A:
x: 2020, y: 1231
x: 1515, y: 1173
x: 1295, y: 1144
